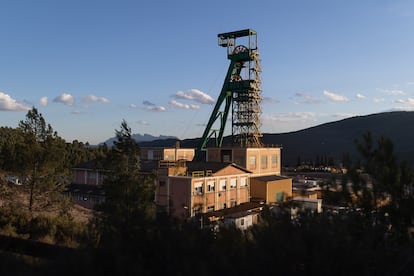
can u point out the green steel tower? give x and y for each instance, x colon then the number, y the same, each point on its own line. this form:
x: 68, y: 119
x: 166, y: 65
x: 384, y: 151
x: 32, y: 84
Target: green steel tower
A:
x: 241, y: 91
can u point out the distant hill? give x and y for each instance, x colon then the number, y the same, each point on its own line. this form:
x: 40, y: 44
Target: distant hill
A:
x: 331, y: 139
x: 142, y: 138
x: 336, y: 138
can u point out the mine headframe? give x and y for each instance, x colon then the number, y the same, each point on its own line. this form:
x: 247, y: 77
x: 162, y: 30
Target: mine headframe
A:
x: 241, y: 92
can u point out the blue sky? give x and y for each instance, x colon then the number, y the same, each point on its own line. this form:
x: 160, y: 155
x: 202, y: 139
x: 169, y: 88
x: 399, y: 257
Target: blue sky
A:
x: 88, y: 64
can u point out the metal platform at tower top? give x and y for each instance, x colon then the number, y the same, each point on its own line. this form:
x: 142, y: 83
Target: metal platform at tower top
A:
x: 241, y: 92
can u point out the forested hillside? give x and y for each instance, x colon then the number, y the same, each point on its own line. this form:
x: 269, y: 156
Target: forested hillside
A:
x: 336, y: 138
x: 332, y: 140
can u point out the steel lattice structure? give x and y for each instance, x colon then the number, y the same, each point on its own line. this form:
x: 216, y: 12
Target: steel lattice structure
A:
x: 241, y: 91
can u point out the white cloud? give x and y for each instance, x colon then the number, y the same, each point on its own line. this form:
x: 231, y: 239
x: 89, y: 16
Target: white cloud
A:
x: 406, y: 108
x: 142, y: 122
x: 184, y: 106
x: 194, y: 95
x: 378, y: 100
x: 65, y: 98
x: 7, y: 103
x: 43, y: 101
x: 335, y: 97
x: 307, y: 98
x: 269, y: 100
x: 344, y: 115
x: 409, y: 101
x: 393, y: 92
x: 153, y: 107
x: 360, y: 96
x: 291, y: 116
x: 94, y: 99
x: 132, y: 106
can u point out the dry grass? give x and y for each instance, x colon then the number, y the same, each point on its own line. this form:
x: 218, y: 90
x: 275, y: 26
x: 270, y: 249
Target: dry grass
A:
x: 18, y: 197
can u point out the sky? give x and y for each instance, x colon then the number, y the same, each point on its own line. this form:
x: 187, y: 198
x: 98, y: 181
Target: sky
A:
x: 86, y: 65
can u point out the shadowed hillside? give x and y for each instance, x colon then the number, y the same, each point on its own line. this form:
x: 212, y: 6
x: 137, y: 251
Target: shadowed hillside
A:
x: 333, y: 139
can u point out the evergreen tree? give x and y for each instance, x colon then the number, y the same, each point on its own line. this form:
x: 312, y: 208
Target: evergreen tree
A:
x: 128, y: 209
x: 383, y: 184
x: 9, y: 138
x: 39, y: 156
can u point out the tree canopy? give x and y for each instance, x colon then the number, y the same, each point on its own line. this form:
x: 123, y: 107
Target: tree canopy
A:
x: 128, y: 209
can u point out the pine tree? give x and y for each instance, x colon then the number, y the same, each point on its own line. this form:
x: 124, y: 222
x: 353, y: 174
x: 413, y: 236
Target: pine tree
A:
x: 40, y: 158
x: 128, y: 209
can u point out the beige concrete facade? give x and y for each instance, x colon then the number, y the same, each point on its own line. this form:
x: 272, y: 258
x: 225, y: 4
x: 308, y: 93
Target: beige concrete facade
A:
x: 188, y: 193
x: 167, y: 154
x: 271, y: 189
x: 229, y: 177
x: 260, y: 161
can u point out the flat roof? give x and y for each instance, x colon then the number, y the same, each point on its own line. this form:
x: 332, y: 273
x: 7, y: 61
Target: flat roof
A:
x: 235, y: 34
x: 213, y: 166
x: 273, y: 177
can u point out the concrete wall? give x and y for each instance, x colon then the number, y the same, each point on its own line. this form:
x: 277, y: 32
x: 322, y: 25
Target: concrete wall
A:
x: 180, y: 196
x: 268, y: 190
x: 256, y: 160
x: 167, y: 153
x: 263, y: 158
x: 278, y: 186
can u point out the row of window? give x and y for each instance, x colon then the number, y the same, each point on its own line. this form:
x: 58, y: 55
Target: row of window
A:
x: 263, y: 162
x: 211, y: 185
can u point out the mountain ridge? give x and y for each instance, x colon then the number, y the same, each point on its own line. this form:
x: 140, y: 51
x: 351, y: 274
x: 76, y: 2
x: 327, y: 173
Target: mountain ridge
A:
x: 140, y: 138
x: 331, y: 140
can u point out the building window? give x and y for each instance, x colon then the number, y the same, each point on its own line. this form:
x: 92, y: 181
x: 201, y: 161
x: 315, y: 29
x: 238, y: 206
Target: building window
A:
x: 233, y: 183
x: 92, y: 175
x: 198, y: 188
x: 150, y: 155
x: 263, y: 162
x: 274, y: 161
x: 243, y: 182
x: 210, y: 208
x: 223, y: 184
x: 211, y: 186
x: 197, y: 210
x: 252, y: 162
x: 242, y: 222
x: 226, y: 156
x: 162, y: 183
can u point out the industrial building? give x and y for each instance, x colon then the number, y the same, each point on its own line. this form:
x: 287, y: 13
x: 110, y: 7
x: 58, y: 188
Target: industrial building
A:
x: 227, y: 182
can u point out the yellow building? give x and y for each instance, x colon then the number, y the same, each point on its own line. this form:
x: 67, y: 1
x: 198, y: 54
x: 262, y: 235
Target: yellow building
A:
x: 231, y: 177
x: 270, y: 188
x: 154, y: 153
x: 186, y: 189
x: 260, y: 161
